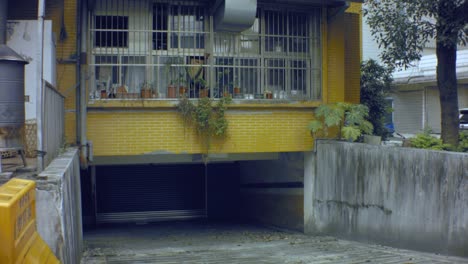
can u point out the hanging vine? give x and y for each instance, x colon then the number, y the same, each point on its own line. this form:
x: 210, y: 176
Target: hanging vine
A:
x: 209, y: 120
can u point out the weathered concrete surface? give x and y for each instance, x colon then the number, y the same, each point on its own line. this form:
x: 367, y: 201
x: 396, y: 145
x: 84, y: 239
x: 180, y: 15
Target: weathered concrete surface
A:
x: 58, y: 206
x: 407, y: 198
x: 271, y: 191
x: 200, y: 242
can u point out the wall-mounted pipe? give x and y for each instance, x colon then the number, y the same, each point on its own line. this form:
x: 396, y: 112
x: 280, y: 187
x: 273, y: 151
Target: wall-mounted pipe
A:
x: 3, y: 21
x: 40, y: 84
x: 83, y: 71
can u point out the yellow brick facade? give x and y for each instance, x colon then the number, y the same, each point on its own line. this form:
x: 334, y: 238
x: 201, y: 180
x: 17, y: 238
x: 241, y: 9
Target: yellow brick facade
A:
x: 135, y: 133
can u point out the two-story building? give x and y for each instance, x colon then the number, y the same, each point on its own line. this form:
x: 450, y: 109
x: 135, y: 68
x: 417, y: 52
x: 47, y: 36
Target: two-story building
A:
x: 125, y: 64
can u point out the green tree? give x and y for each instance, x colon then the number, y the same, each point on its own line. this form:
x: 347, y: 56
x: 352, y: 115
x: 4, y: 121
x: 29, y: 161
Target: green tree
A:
x: 376, y: 83
x: 403, y: 27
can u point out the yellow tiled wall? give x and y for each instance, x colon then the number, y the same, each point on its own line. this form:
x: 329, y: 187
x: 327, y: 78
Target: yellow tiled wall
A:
x: 133, y: 133
x: 136, y: 132
x: 352, y: 57
x: 335, y: 59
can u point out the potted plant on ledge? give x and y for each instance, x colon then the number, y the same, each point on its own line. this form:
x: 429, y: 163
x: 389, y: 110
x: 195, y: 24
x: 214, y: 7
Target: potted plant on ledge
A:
x: 146, y: 90
x: 349, y: 120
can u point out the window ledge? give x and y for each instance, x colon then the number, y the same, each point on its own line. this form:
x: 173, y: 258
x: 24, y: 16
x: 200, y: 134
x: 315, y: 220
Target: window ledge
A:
x: 172, y: 103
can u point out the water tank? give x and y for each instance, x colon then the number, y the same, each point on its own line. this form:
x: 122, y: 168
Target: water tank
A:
x: 11, y: 97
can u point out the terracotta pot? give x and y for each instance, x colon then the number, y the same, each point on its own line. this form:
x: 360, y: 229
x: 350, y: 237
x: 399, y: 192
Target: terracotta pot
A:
x: 226, y: 94
x: 269, y: 96
x: 145, y: 93
x: 203, y: 93
x: 171, y: 91
x: 103, y: 94
x: 237, y: 90
x: 182, y: 90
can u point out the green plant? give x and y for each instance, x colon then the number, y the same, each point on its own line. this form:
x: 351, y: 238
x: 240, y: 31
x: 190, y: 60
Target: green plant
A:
x: 403, y: 29
x: 463, y: 143
x: 375, y: 85
x: 349, y: 119
x: 426, y: 141
x: 186, y: 109
x: 208, y: 120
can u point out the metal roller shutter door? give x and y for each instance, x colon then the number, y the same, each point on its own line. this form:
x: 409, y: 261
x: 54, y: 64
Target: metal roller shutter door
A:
x: 145, y: 193
x: 408, y: 111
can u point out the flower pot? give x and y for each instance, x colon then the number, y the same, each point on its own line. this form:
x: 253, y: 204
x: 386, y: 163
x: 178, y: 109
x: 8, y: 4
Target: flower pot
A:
x: 203, y: 93
x: 171, y: 91
x: 269, y: 96
x: 145, y: 93
x: 237, y: 90
x: 182, y: 90
x: 226, y: 94
x: 372, y: 140
x: 103, y: 94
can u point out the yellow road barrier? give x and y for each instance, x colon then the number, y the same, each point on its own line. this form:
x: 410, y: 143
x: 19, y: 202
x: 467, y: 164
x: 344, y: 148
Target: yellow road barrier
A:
x: 19, y: 240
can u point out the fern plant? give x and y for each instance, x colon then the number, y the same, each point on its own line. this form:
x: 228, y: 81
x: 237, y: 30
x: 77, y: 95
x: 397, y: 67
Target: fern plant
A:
x: 350, y: 120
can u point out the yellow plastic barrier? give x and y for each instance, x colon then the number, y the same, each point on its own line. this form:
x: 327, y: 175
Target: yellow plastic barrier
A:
x: 19, y: 240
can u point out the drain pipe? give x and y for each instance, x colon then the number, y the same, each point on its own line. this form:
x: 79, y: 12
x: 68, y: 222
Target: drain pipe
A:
x: 82, y: 22
x: 40, y: 85
x: 3, y: 21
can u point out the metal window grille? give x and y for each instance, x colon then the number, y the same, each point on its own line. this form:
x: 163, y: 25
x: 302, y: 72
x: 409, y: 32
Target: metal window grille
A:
x: 168, y: 49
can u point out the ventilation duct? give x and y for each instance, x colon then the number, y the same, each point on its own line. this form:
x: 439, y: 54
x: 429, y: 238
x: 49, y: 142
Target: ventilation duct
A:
x: 234, y: 15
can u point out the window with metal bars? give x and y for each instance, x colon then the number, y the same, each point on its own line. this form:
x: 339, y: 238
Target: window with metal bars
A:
x: 172, y: 50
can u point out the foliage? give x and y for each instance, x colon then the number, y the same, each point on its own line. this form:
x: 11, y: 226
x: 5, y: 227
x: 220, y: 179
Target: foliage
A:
x: 350, y: 119
x: 375, y: 85
x: 463, y: 143
x: 186, y: 109
x: 208, y: 120
x: 426, y: 141
x: 403, y: 27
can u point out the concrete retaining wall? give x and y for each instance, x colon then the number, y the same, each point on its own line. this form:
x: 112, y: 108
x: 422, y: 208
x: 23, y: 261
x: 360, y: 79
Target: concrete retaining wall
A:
x: 58, y: 206
x: 400, y: 197
x: 272, y: 191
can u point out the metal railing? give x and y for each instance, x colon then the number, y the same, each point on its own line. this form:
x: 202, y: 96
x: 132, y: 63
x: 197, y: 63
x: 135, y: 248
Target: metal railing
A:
x: 53, y: 123
x: 169, y: 49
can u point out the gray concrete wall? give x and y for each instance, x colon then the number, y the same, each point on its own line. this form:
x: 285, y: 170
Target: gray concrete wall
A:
x: 271, y: 191
x: 401, y: 197
x: 58, y: 207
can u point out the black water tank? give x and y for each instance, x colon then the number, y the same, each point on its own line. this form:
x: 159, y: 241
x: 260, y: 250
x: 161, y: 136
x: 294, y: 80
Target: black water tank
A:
x: 11, y: 88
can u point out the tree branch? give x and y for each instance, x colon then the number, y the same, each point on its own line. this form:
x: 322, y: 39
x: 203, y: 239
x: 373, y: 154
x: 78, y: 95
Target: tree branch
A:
x: 461, y: 16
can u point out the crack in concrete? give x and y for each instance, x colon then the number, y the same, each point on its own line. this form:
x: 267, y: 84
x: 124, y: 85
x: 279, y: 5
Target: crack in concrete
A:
x: 357, y: 206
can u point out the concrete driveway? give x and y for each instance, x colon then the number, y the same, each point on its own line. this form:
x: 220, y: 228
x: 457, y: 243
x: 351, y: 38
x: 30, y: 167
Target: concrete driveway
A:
x: 204, y: 242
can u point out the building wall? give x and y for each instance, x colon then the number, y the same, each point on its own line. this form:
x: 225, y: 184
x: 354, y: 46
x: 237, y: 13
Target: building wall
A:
x: 401, y: 197
x: 407, y: 111
x: 162, y: 131
x: 271, y: 191
x: 261, y: 131
x: 23, y: 38
x: 352, y: 57
x: 62, y: 13
x: 432, y: 108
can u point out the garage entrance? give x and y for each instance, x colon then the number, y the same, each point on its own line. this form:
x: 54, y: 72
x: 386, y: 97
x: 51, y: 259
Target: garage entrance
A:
x: 146, y: 193
x: 163, y: 192
x: 266, y: 191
